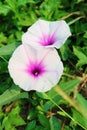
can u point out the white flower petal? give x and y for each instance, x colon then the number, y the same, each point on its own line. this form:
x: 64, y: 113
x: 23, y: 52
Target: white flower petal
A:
x: 32, y: 40
x: 49, y: 80
x: 51, y: 59
x: 18, y: 64
x: 35, y: 33
x: 22, y: 79
x: 61, y: 31
x: 39, y: 28
x: 54, y: 68
x: 21, y: 68
x: 47, y: 34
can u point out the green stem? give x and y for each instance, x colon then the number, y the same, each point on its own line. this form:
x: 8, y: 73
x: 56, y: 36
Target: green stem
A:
x: 3, y: 59
x: 71, y: 76
x: 71, y: 14
x: 73, y: 21
x: 67, y: 98
x: 64, y: 112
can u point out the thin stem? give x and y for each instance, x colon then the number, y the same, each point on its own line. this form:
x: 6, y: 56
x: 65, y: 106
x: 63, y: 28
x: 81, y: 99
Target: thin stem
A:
x: 73, y: 21
x: 71, y: 14
x: 65, y: 112
x: 69, y: 100
x: 65, y: 96
x: 3, y: 59
x: 71, y: 76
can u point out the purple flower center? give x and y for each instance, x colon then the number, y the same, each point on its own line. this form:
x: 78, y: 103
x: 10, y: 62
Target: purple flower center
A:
x: 36, y: 69
x: 47, y: 40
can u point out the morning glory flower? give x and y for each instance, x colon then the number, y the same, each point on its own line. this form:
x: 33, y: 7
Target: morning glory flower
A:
x: 35, y: 70
x: 47, y: 34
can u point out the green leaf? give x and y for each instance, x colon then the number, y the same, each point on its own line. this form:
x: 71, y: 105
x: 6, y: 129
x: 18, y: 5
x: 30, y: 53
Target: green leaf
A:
x: 79, y: 118
x: 66, y: 86
x: 39, y: 128
x: 16, y: 120
x: 8, y: 49
x: 67, y: 128
x: 3, y: 38
x: 6, y: 124
x: 31, y: 125
x: 82, y: 104
x: 43, y: 120
x: 54, y: 123
x: 13, y: 120
x: 32, y: 114
x: 12, y: 94
x: 85, y: 35
x: 24, y: 2
x: 65, y: 52
x: 12, y: 5
x: 42, y: 95
x: 3, y: 9
x: 1, y: 114
x: 49, y: 104
x: 3, y: 67
x: 81, y: 56
x: 62, y: 113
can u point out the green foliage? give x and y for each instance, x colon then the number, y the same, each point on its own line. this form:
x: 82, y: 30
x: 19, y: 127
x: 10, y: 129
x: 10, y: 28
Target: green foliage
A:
x: 82, y: 120
x: 65, y: 52
x: 43, y: 121
x: 54, y: 95
x: 81, y: 56
x: 12, y: 94
x: 31, y: 125
x: 13, y: 119
x: 54, y: 123
x: 82, y: 103
x: 44, y: 111
x: 8, y: 49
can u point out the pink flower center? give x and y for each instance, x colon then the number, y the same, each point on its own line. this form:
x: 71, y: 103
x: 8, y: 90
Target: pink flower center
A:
x: 36, y: 69
x: 47, y: 40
